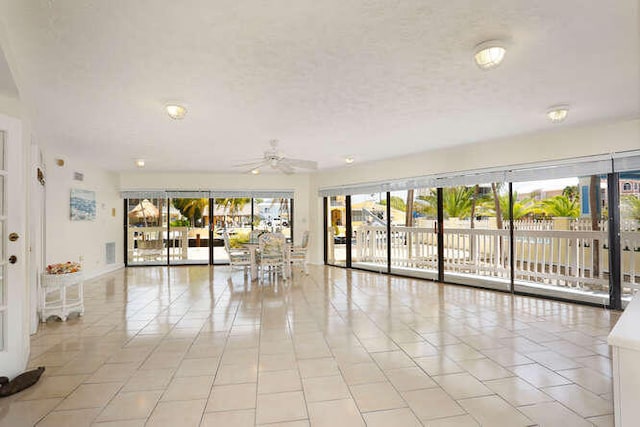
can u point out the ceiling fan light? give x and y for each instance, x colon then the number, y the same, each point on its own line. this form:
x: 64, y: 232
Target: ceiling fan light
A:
x: 175, y: 111
x: 349, y: 160
x: 489, y: 54
x: 558, y: 113
x: 139, y: 163
x: 255, y: 171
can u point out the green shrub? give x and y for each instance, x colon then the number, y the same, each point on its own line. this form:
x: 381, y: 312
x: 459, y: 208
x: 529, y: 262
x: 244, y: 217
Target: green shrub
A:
x: 238, y: 239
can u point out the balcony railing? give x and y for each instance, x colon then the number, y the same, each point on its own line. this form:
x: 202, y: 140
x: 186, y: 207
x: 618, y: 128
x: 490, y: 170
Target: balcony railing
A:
x: 576, y: 259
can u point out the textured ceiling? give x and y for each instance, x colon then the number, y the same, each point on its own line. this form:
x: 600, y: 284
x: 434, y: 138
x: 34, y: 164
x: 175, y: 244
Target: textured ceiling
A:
x: 372, y: 79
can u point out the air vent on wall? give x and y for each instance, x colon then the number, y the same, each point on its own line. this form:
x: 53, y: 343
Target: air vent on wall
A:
x: 110, y: 253
x: 78, y: 176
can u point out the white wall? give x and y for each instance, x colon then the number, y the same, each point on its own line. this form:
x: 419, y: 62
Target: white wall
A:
x: 68, y: 240
x: 563, y: 143
x: 10, y: 106
x: 299, y: 183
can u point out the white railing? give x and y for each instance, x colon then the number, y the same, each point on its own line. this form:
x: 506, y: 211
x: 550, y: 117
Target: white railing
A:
x: 149, y: 244
x: 630, y: 260
x: 564, y: 258
x: 477, y: 251
x: 530, y: 225
x: 414, y: 247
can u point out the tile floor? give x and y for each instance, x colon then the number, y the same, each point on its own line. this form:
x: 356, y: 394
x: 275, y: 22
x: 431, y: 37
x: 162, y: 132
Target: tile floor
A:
x: 198, y: 346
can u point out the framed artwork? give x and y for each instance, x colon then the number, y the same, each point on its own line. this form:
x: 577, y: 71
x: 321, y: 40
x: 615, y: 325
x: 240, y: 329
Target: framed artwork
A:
x: 83, y: 205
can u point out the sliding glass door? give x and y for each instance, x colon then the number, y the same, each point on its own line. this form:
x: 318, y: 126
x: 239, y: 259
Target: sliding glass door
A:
x: 629, y: 185
x: 476, y: 235
x: 179, y: 230
x: 561, y: 238
x: 569, y: 230
x: 232, y: 216
x: 188, y: 231
x: 146, y: 231
x: 336, y: 231
x: 414, y: 239
x: 369, y: 231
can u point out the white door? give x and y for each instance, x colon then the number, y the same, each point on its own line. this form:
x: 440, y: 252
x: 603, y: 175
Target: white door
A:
x: 14, y: 316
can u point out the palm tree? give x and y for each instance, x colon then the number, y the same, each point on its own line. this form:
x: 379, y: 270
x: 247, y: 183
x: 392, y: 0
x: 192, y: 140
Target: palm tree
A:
x: 496, y: 202
x: 521, y: 208
x: 233, y: 205
x: 457, y: 201
x: 560, y: 206
x: 191, y: 208
x: 631, y: 207
x: 427, y: 205
x: 408, y: 219
x: 571, y: 191
x: 594, y: 205
x: 396, y: 203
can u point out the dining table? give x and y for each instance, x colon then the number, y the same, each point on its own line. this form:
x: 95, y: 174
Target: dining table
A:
x: 254, y: 248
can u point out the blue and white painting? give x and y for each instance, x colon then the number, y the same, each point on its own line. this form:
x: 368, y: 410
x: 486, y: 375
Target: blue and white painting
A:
x: 83, y: 205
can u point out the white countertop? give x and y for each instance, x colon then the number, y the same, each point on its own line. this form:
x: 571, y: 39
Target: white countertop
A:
x: 626, y: 333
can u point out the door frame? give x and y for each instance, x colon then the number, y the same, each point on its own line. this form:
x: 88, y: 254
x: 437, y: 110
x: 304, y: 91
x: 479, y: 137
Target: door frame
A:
x: 15, y: 353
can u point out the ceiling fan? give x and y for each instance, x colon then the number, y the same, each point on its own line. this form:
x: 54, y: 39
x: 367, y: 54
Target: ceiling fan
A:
x: 276, y: 160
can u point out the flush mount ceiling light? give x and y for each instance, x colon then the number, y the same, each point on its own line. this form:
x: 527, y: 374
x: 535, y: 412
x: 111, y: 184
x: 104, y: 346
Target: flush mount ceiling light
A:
x: 349, y: 160
x: 175, y: 111
x: 255, y: 171
x: 489, y: 54
x: 140, y: 163
x: 558, y: 113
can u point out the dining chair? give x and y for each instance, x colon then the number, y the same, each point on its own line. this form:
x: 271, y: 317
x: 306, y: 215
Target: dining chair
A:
x: 298, y: 254
x: 272, y: 256
x: 254, y: 235
x: 238, y: 257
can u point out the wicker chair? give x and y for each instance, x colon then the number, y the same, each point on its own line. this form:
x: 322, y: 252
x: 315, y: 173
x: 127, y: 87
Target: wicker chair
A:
x: 272, y: 255
x: 238, y: 257
x: 298, y: 255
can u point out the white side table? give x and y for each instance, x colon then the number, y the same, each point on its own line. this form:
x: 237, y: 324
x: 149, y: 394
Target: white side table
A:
x: 60, y: 295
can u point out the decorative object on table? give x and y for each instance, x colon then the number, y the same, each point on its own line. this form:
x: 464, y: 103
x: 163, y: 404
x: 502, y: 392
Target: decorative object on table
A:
x: 19, y: 383
x: 61, y: 291
x: 83, y: 205
x: 64, y: 268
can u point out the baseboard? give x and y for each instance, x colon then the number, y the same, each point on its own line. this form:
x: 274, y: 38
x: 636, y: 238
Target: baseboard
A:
x: 98, y: 273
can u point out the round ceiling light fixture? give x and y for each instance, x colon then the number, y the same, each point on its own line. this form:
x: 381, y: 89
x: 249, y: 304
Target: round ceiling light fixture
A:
x: 558, y: 113
x: 175, y: 111
x: 489, y: 54
x: 140, y: 163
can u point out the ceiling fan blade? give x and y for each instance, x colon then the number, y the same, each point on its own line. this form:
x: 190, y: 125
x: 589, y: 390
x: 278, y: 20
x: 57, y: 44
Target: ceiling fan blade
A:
x: 299, y: 163
x: 285, y: 168
x: 254, y: 163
